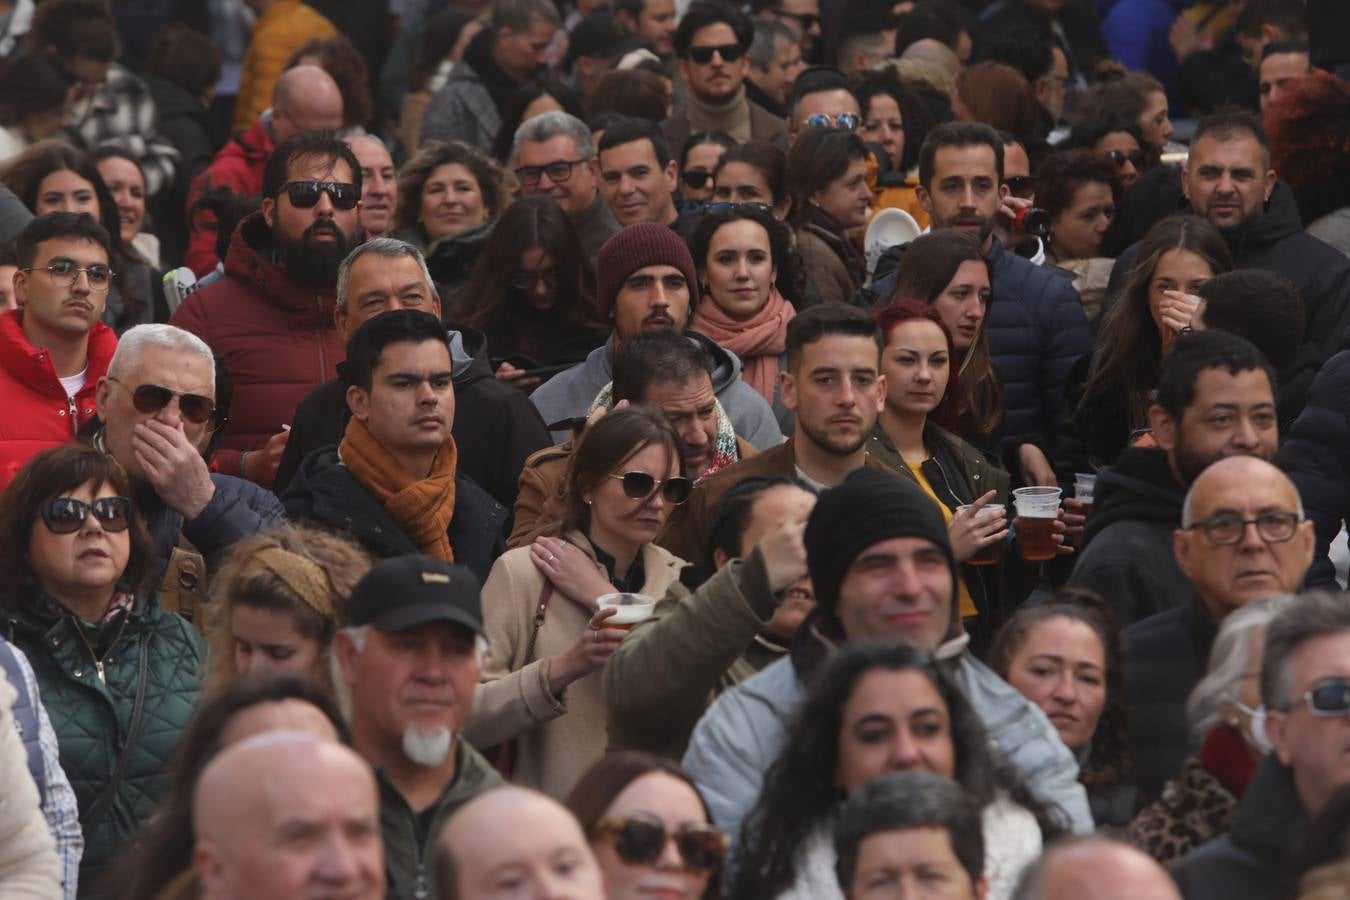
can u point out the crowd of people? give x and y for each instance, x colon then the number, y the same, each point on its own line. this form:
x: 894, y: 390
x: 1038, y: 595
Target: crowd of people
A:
x: 686, y: 448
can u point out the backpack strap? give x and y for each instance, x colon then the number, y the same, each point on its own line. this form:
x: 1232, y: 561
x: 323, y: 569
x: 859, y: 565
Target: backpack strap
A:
x: 26, y: 720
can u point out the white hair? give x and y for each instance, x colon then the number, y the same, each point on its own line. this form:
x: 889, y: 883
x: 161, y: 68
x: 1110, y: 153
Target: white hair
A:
x: 168, y: 337
x: 546, y: 126
x: 358, y: 635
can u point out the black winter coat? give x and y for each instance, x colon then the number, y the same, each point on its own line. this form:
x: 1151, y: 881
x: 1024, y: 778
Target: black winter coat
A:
x: 1078, y: 19
x: 1127, y: 546
x: 186, y: 124
x: 1091, y: 435
x: 496, y: 426
x: 325, y: 491
x: 238, y: 509
x: 1166, y: 655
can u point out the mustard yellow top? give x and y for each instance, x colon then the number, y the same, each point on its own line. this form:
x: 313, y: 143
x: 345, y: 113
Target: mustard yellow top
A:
x: 967, y: 603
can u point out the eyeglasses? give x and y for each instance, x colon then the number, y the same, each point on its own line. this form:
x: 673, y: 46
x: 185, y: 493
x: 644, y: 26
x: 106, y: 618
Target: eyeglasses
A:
x: 1329, y: 699
x: 304, y: 194
x: 723, y: 206
x: 728, y: 52
x: 64, y: 272
x: 1226, y: 529
x: 843, y: 121
x: 807, y: 20
x: 696, y: 178
x: 66, y: 515
x: 640, y: 839
x: 640, y: 485
x: 1023, y: 186
x: 151, y: 398
x: 1119, y: 157
x: 558, y: 172
x: 524, y: 279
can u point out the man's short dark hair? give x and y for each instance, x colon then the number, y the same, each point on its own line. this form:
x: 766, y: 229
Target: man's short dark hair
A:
x: 819, y: 322
x: 816, y: 80
x: 939, y: 21
x: 1027, y: 50
x: 1274, y: 48
x: 76, y: 29
x: 701, y: 14
x: 1197, y: 351
x: 323, y: 146
x: 901, y: 801
x: 9, y: 254
x: 1232, y: 125
x: 1261, y: 306
x: 75, y: 226
x: 1289, y: 16
x: 958, y: 134
x: 367, y: 344
x: 656, y: 357
x: 627, y: 131
x: 734, y: 509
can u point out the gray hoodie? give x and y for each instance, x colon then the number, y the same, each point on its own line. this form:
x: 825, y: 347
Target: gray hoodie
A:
x: 571, y: 393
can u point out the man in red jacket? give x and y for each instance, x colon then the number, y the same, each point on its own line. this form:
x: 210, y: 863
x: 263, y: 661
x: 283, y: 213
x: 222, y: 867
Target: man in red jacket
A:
x: 53, y: 350
x: 272, y: 317
x: 305, y: 99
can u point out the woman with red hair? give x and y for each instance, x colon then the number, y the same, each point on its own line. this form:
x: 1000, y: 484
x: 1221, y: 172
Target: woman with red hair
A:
x: 1309, y: 131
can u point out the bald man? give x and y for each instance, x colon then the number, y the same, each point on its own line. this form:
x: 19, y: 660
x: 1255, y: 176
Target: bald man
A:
x: 305, y: 99
x: 1095, y: 868
x: 286, y: 814
x: 1243, y: 536
x: 521, y: 831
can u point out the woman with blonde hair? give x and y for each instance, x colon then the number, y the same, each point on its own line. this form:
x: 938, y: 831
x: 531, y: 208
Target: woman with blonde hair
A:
x: 276, y: 602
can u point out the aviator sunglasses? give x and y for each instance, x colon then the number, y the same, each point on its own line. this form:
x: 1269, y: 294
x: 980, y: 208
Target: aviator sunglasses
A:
x: 641, y: 485
x: 151, y: 398
x: 66, y: 515
x: 640, y: 839
x: 304, y: 194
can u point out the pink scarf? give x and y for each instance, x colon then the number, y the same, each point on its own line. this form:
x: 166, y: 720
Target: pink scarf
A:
x: 758, y: 341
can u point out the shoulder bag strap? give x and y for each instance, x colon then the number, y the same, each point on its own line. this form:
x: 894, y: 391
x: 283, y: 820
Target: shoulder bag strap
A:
x: 105, y: 798
x: 541, y: 607
x: 26, y: 717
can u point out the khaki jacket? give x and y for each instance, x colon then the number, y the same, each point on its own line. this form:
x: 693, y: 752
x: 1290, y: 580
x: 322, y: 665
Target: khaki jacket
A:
x: 557, y: 738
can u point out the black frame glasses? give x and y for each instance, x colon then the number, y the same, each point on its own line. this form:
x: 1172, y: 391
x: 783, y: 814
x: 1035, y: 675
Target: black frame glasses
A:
x: 640, y: 839
x: 64, y: 272
x: 641, y: 485
x: 558, y: 172
x: 1227, y: 529
x: 66, y: 515
x: 1119, y: 157
x: 1329, y: 698
x: 729, y: 53
x: 151, y: 398
x: 843, y: 122
x: 305, y: 194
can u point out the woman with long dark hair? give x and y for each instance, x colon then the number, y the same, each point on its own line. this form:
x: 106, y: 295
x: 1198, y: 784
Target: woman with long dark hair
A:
x: 1107, y: 393
x: 878, y: 708
x: 532, y: 292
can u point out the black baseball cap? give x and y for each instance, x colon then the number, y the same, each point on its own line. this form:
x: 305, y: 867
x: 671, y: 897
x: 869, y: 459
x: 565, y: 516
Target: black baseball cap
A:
x: 406, y: 591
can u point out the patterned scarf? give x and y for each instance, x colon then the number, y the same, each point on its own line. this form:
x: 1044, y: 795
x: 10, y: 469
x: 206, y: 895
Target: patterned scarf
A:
x: 724, y: 452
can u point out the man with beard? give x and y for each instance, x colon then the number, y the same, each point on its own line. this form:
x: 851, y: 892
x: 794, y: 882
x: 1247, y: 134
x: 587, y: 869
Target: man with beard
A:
x: 1216, y: 398
x: 834, y: 385
x: 271, y: 318
x: 408, y: 663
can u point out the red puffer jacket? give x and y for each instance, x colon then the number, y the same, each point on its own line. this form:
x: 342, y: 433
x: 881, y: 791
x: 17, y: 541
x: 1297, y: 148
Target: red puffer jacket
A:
x: 238, y: 166
x: 37, y: 413
x: 278, y: 339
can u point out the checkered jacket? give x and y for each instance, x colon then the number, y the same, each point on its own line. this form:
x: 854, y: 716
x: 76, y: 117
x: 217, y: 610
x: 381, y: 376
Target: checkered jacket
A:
x: 121, y: 112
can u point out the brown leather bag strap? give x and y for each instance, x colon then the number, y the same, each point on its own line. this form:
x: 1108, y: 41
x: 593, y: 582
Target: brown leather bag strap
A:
x: 541, y: 607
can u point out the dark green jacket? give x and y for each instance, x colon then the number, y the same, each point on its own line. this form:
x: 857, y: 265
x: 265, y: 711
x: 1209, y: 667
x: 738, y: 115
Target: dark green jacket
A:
x: 92, y: 717
x: 407, y: 850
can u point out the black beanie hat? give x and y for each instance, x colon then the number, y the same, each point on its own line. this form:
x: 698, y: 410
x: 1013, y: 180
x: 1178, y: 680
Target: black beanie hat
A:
x: 869, y: 506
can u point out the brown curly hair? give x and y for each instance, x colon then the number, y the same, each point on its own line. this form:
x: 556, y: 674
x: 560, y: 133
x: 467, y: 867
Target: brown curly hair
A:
x: 494, y: 182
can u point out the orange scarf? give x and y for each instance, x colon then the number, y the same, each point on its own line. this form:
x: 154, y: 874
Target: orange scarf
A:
x: 758, y: 341
x: 423, y: 509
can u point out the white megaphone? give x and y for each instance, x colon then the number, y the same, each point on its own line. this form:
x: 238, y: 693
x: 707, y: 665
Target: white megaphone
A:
x: 888, y: 228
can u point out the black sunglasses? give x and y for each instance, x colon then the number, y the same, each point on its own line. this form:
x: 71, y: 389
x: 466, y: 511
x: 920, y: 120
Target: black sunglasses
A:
x: 1118, y: 158
x: 304, y: 194
x: 696, y: 178
x: 728, y: 52
x: 65, y: 515
x: 641, y: 485
x: 151, y: 398
x: 1023, y: 186
x: 640, y: 839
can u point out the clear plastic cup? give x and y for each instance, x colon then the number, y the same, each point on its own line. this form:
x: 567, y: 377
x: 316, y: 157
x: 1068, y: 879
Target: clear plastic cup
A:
x: 1083, y: 486
x: 991, y: 554
x: 632, y: 609
x: 1037, y: 510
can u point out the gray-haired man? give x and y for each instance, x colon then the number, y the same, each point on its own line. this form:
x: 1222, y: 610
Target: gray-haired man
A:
x: 555, y: 157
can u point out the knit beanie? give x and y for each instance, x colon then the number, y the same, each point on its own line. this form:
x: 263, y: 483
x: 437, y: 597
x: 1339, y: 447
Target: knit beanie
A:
x: 636, y: 247
x: 868, y: 507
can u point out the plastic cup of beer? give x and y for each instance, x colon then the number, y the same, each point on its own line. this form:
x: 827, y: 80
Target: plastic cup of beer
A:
x: 1083, y: 486
x: 989, y: 555
x: 1037, y: 511
x: 632, y: 609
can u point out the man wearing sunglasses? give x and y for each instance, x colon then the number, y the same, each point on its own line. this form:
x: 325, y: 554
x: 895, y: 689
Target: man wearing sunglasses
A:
x: 555, y: 156
x: 54, y: 349
x: 711, y: 45
x: 1242, y: 537
x: 272, y: 317
x: 1305, y: 688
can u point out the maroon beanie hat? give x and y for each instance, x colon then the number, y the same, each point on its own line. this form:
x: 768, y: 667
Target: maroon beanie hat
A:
x: 636, y: 247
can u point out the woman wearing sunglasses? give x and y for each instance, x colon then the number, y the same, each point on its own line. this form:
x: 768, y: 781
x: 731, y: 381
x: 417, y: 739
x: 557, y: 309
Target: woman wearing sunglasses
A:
x: 541, y: 685
x: 449, y: 196
x: 1078, y: 190
x: 1118, y: 142
x: 878, y: 709
x: 698, y: 161
x: 749, y: 278
x: 117, y: 674
x: 827, y: 169
x: 532, y: 292
x: 650, y: 829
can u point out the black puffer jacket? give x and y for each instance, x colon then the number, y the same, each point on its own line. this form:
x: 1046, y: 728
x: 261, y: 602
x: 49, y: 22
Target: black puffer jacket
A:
x: 1316, y: 457
x: 1166, y: 655
x: 1127, y: 553
x: 238, y: 509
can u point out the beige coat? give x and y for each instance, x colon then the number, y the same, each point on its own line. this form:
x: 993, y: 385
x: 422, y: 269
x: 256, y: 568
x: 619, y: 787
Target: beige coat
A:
x: 28, y: 863
x: 557, y: 738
